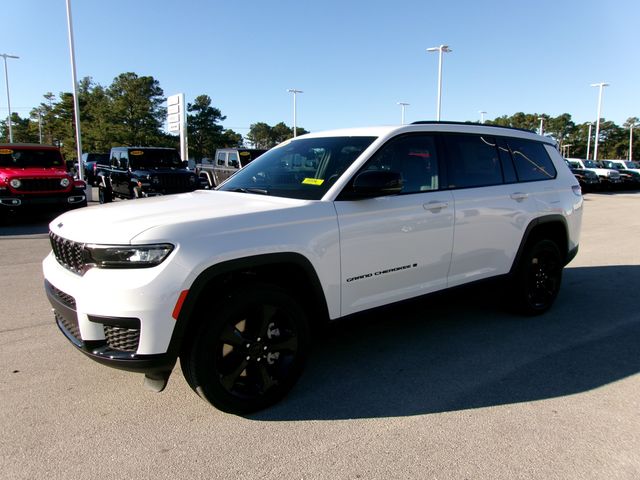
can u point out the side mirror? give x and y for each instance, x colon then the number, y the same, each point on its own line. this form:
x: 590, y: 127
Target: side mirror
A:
x: 376, y: 183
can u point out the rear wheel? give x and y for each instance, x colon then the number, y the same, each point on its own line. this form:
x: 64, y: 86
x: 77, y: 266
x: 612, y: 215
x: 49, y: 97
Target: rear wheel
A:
x: 538, y: 277
x: 249, y: 353
x: 104, y: 194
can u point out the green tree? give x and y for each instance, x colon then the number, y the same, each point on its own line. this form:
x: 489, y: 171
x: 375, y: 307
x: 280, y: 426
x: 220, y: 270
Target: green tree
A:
x: 560, y: 128
x: 260, y: 135
x: 137, y: 109
x: 204, y: 131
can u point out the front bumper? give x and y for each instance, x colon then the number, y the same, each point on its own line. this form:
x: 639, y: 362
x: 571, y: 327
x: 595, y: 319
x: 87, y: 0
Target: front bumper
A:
x: 121, y: 338
x: 75, y: 198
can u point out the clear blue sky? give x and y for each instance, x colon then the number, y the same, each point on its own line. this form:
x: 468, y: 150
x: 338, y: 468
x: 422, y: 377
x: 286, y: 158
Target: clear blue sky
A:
x: 354, y: 60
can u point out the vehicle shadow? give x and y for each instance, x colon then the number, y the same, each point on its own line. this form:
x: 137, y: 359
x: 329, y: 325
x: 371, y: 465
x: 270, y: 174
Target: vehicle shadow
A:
x: 462, y: 350
x: 25, y: 223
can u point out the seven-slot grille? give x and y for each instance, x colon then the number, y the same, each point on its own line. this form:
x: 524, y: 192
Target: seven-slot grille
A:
x: 179, y: 183
x: 40, y: 185
x: 68, y: 253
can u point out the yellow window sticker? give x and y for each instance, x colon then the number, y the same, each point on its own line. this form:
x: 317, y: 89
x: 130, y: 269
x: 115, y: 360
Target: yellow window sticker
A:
x: 245, y: 154
x: 5, y: 151
x: 313, y: 181
x: 136, y: 152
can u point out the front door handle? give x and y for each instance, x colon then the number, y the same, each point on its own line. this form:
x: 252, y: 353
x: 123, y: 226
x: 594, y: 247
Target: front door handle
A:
x: 435, y: 206
x: 519, y: 196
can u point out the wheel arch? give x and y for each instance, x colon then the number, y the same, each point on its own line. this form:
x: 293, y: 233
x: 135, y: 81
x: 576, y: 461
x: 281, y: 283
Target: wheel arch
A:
x: 291, y: 271
x: 552, y: 227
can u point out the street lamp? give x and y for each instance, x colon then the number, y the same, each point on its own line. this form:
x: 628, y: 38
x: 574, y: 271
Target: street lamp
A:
x: 6, y: 78
x: 482, y: 113
x: 541, y: 131
x: 441, y: 49
x: 567, y: 150
x: 589, y: 140
x: 601, y: 85
x: 402, y: 106
x: 295, y: 92
x: 631, y: 142
x: 76, y: 103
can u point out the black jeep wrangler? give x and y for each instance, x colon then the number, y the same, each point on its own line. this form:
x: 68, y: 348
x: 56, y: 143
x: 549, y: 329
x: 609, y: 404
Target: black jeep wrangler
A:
x: 136, y: 172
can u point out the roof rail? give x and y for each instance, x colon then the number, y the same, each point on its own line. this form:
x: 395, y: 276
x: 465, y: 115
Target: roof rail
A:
x: 435, y: 122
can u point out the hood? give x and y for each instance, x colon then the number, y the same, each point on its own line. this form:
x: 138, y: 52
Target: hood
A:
x: 32, y: 172
x: 161, y: 171
x: 121, y: 222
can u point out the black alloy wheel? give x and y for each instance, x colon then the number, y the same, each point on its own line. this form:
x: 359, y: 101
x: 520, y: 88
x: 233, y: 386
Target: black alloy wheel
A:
x: 249, y: 353
x: 539, y: 277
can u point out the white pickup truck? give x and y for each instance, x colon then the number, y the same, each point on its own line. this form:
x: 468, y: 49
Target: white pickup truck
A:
x: 609, y: 177
x: 226, y: 162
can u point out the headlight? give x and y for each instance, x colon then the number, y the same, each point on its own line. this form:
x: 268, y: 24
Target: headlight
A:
x: 65, y: 182
x: 127, y: 256
x: 15, y: 183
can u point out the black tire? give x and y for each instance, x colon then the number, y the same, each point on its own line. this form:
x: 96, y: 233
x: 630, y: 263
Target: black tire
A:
x: 105, y: 195
x: 538, y: 277
x: 249, y: 353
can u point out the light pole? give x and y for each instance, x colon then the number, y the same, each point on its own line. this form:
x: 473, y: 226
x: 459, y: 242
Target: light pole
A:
x: 567, y: 150
x: 589, y: 140
x: 541, y: 131
x: 295, y: 92
x: 482, y: 113
x: 76, y: 104
x: 402, y: 106
x: 6, y: 79
x: 601, y: 85
x: 441, y: 49
x: 631, y: 142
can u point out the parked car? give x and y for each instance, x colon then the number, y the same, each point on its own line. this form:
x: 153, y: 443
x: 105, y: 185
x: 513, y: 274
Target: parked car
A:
x: 34, y: 176
x: 589, y: 180
x: 227, y: 161
x: 90, y: 163
x: 137, y: 172
x: 629, y: 172
x: 235, y: 280
x: 609, y: 177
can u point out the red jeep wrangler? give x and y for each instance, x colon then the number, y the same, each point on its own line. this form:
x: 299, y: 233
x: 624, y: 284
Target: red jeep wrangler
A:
x: 35, y: 176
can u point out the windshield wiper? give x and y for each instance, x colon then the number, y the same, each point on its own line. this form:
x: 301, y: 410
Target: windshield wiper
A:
x: 260, y: 191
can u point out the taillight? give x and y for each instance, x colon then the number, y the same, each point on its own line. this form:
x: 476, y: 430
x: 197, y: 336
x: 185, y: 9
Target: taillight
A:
x: 576, y: 190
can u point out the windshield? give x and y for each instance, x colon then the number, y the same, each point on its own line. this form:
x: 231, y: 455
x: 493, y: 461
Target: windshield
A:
x: 303, y: 169
x: 575, y: 165
x: 154, y: 158
x: 29, y: 158
x: 633, y: 165
x: 590, y: 164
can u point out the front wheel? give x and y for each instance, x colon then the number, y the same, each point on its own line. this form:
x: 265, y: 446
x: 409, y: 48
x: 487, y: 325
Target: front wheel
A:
x: 104, y: 194
x: 538, y: 278
x: 246, y: 355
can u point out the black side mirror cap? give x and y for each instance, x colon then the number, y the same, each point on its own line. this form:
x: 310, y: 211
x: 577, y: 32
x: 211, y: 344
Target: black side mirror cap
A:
x: 376, y: 183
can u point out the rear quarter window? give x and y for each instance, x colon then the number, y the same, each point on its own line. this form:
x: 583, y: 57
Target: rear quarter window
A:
x: 531, y: 160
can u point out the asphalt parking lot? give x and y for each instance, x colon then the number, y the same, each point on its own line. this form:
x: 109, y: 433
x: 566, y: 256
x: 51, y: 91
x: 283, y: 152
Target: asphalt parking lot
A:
x: 452, y: 387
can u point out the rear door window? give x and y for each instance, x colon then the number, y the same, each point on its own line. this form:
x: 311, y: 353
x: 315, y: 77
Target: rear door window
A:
x: 473, y: 161
x: 531, y: 160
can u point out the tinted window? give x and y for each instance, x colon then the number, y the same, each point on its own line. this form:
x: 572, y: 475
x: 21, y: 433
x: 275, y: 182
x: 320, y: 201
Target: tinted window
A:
x: 29, y: 158
x: 222, y: 159
x: 154, y: 158
x: 414, y: 157
x: 531, y: 160
x: 304, y: 168
x: 473, y: 161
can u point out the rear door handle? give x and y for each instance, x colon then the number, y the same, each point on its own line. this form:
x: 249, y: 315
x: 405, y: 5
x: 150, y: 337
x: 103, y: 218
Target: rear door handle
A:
x: 435, y: 206
x: 519, y: 196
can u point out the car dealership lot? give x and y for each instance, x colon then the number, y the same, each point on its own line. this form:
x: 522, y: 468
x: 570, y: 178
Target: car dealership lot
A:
x: 450, y: 387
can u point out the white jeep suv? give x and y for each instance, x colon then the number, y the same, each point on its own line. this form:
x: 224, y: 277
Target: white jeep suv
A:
x: 233, y: 280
